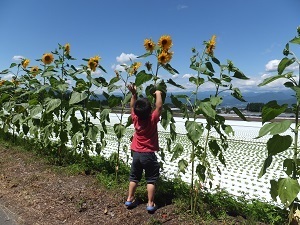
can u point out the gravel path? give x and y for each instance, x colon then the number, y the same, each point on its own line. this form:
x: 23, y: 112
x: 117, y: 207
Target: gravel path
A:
x: 7, y: 217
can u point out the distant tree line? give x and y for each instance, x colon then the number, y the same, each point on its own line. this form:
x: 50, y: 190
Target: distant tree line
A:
x: 257, y: 107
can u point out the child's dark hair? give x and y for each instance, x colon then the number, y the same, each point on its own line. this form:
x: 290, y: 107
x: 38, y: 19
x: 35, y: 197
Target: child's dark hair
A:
x: 142, y: 108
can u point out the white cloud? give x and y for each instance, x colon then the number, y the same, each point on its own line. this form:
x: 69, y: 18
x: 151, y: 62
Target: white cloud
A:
x: 96, y: 73
x: 187, y: 75
x: 180, y: 7
x: 175, y: 76
x: 293, y: 67
x: 18, y: 57
x: 8, y: 76
x: 123, y: 58
x: 251, y: 85
x: 272, y: 65
x: 118, y: 67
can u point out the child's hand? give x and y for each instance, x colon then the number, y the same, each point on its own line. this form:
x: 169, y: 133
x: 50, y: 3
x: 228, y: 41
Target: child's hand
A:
x: 132, y: 88
x: 157, y: 92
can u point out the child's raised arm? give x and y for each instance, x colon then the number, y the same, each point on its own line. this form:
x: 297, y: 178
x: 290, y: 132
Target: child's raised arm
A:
x: 132, y: 89
x: 159, y: 102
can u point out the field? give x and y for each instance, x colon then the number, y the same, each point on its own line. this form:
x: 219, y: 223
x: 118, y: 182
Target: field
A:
x: 31, y: 190
x: 244, y: 159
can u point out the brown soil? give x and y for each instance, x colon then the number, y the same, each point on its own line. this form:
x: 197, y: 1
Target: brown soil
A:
x: 37, y: 193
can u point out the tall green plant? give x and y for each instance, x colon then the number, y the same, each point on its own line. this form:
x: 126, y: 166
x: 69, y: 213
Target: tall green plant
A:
x: 151, y: 80
x: 193, y: 105
x: 13, y: 102
x: 49, y: 101
x: 84, y: 100
x: 286, y: 188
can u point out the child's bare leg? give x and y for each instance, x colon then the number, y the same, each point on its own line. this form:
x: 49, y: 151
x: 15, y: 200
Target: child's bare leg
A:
x: 151, y: 192
x: 131, y: 191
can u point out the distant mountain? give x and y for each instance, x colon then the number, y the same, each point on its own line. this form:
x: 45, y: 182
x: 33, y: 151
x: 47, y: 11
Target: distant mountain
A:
x: 282, y: 97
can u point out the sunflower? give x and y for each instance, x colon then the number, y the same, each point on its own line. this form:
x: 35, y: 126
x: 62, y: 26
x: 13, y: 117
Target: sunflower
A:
x: 149, y: 45
x: 92, y: 65
x: 165, y: 42
x: 96, y: 59
x: 93, y: 62
x: 134, y: 67
x: 164, y: 57
x: 34, y: 70
x: 67, y: 48
x: 47, y: 58
x: 210, y: 46
x: 25, y: 63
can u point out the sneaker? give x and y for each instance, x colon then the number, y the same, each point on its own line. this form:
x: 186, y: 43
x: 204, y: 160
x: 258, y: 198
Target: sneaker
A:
x: 151, y: 209
x: 131, y: 204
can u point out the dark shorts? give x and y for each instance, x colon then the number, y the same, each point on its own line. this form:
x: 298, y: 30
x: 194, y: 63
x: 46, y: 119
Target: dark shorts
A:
x: 144, y: 161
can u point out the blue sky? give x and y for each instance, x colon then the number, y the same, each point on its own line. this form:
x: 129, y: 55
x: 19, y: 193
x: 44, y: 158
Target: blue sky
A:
x: 251, y: 33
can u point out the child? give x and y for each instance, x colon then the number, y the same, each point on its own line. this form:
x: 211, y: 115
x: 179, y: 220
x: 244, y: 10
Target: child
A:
x: 144, y: 145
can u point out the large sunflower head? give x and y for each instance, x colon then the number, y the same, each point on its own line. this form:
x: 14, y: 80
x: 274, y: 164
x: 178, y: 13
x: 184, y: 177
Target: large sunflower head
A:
x: 34, y: 70
x: 93, y: 62
x: 165, y: 42
x: 210, y: 46
x: 25, y: 63
x: 164, y: 57
x: 149, y: 45
x: 67, y: 48
x: 96, y: 58
x: 47, y: 58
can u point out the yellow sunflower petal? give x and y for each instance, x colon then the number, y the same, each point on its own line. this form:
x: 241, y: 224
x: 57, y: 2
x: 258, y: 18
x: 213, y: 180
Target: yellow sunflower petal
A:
x: 47, y: 58
x: 25, y: 63
x: 210, y: 46
x: 164, y: 57
x: 149, y: 45
x: 34, y: 70
x: 67, y: 48
x: 165, y: 42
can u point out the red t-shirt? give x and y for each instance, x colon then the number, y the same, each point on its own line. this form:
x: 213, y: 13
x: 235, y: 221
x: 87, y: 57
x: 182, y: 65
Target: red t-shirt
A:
x: 145, y: 137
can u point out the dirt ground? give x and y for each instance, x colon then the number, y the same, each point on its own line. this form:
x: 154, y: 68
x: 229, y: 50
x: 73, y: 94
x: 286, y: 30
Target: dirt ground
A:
x: 32, y: 192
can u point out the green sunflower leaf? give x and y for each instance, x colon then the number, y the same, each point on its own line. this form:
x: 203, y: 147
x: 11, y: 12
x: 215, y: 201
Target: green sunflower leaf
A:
x: 170, y: 81
x: 278, y: 144
x: 272, y: 110
x: 182, y: 165
x: 288, y: 189
x: 271, y: 79
x: 284, y: 63
x: 145, y: 55
x: 77, y: 97
x: 142, y: 77
x: 52, y: 104
x: 177, y: 151
x: 295, y: 40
